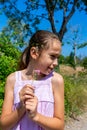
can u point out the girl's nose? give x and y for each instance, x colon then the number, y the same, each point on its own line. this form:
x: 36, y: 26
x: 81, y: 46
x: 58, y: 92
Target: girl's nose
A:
x: 55, y: 62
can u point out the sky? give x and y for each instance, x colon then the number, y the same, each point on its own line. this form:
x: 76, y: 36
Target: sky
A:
x: 78, y: 20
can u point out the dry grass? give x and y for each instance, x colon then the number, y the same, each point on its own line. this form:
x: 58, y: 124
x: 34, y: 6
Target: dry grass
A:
x: 67, y: 70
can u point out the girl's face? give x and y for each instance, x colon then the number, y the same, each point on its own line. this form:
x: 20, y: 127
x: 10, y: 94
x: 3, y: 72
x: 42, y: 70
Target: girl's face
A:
x: 48, y: 59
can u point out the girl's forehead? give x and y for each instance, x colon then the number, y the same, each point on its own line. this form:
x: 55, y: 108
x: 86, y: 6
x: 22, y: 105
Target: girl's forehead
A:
x: 54, y: 48
x: 55, y: 45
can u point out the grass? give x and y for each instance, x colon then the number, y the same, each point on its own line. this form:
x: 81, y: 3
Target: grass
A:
x: 75, y: 94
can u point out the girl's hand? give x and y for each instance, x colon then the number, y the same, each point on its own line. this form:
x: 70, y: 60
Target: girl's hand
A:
x: 26, y: 93
x: 31, y: 106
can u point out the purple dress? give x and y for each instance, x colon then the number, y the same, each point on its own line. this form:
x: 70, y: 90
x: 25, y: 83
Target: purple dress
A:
x: 44, y: 93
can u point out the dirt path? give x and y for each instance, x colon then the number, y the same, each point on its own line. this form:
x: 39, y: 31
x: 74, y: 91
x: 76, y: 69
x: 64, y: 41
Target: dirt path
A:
x: 80, y: 124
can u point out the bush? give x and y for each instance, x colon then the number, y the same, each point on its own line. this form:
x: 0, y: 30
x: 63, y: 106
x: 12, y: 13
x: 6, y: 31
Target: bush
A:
x: 9, y: 56
x: 75, y: 95
x: 7, y: 66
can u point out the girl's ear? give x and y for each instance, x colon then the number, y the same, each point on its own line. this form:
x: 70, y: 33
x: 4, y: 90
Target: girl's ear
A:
x: 34, y: 52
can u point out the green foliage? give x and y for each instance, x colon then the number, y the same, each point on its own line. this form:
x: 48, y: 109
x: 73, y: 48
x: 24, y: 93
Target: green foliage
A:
x: 7, y: 66
x: 9, y: 51
x: 9, y: 57
x: 69, y: 60
x: 1, y: 94
x: 84, y: 62
x: 62, y: 59
x: 7, y: 48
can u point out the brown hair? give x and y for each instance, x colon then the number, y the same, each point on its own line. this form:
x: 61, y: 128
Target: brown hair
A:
x: 40, y: 39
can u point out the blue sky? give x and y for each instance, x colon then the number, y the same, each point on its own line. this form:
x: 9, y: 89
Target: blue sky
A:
x: 79, y: 19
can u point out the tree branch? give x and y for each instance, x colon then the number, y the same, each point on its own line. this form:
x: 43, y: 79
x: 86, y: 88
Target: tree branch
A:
x: 51, y: 14
x: 66, y: 19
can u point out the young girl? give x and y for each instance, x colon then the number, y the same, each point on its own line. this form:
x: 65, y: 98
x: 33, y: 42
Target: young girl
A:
x: 31, y: 104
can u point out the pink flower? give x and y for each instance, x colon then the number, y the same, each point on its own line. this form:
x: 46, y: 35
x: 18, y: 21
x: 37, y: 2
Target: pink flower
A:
x: 36, y: 73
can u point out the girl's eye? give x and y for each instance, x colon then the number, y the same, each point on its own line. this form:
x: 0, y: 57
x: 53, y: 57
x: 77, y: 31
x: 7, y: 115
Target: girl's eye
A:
x: 52, y: 57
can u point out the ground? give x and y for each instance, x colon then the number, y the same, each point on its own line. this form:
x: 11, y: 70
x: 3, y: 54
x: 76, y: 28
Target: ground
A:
x: 79, y: 124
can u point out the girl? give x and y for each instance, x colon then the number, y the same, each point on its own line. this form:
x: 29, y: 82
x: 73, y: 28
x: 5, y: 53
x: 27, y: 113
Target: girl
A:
x: 31, y: 104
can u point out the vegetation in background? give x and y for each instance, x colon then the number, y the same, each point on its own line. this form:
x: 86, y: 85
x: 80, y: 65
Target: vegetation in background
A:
x: 9, y: 57
x: 69, y: 60
x: 75, y: 90
x: 75, y: 94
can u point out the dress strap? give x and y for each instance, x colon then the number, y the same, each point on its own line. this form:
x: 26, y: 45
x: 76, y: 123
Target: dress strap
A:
x: 18, y: 75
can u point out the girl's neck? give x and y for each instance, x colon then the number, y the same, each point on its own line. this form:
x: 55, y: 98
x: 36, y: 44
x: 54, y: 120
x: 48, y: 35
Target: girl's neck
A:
x: 28, y: 74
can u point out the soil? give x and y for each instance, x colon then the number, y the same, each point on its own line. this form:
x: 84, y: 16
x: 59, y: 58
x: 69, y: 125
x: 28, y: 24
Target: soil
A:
x: 77, y: 124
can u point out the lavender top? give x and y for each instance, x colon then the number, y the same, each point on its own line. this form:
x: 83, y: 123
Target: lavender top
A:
x: 44, y: 93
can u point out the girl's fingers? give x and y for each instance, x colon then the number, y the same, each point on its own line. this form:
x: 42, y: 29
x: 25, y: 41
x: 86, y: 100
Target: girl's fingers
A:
x: 29, y: 88
x: 31, y: 106
x: 27, y: 92
x: 31, y: 103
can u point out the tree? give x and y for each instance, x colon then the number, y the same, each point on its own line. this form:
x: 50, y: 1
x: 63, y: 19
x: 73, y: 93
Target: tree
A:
x: 72, y: 39
x: 24, y: 21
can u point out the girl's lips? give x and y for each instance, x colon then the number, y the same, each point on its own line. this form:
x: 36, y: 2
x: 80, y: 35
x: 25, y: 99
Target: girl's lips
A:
x: 51, y: 68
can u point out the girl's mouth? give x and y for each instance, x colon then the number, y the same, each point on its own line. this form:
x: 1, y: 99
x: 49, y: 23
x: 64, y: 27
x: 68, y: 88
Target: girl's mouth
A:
x: 50, y: 70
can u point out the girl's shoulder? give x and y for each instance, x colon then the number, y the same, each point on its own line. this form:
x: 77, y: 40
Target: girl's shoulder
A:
x: 57, y: 76
x: 11, y: 78
x: 10, y: 81
x: 57, y: 79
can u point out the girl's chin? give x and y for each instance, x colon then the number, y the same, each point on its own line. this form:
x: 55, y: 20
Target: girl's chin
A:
x: 47, y: 72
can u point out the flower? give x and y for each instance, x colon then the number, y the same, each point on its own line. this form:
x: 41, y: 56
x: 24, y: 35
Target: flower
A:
x: 36, y: 73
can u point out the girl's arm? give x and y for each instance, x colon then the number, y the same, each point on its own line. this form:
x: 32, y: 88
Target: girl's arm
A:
x: 57, y: 122
x: 8, y: 117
